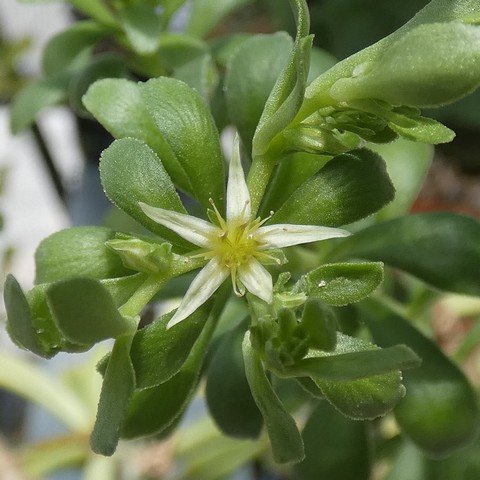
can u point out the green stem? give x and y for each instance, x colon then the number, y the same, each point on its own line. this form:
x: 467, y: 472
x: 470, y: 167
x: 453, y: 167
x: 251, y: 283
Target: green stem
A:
x: 142, y: 296
x: 257, y: 181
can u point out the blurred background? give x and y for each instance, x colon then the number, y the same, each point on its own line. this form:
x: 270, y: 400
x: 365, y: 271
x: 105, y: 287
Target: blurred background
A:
x: 49, y: 181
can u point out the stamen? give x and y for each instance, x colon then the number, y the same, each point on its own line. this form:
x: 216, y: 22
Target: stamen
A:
x: 220, y: 219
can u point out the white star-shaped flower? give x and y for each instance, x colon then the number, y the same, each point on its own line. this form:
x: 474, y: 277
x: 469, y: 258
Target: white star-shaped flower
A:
x: 237, y: 246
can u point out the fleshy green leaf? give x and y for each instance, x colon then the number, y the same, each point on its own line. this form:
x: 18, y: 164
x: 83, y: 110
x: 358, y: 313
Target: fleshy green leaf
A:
x: 69, y: 49
x: 339, y: 284
x: 143, y: 27
x: 107, y: 65
x: 117, y: 390
x: 366, y: 398
x: 292, y: 172
x: 228, y: 395
x: 407, y: 165
x: 440, y: 411
x: 430, y: 65
x: 118, y: 106
x: 423, y: 129
x: 350, y: 187
x: 285, y: 439
x: 205, y: 14
x: 158, y: 354
x: 185, y: 122
x: 320, y: 62
x: 335, y: 447
x: 36, y: 96
x: 19, y: 319
x: 287, y: 94
x: 155, y: 409
x: 85, y: 311
x: 442, y: 249
x: 95, y: 9
x: 320, y: 324
x: 250, y: 77
x: 77, y: 252
x: 132, y: 173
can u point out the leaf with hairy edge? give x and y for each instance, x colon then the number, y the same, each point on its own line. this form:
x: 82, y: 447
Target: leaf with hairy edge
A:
x: 186, y: 123
x: 118, y: 106
x: 366, y: 398
x: 350, y: 187
x: 85, y: 312
x: 442, y: 249
x: 117, y: 390
x: 340, y: 284
x: 153, y: 410
x: 440, y: 412
x: 158, y: 354
x: 132, y: 173
x: 77, y: 252
x: 286, y: 441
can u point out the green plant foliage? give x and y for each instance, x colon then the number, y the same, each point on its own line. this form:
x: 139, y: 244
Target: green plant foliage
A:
x: 365, y: 398
x: 441, y: 249
x: 340, y: 192
x: 251, y: 76
x: 85, y: 312
x: 228, y: 396
x: 77, y: 252
x: 339, y: 284
x: 287, y: 444
x: 335, y: 447
x: 320, y: 324
x: 440, y: 413
x: 430, y: 65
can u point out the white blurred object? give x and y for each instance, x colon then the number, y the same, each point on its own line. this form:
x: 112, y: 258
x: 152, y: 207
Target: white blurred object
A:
x: 37, y: 21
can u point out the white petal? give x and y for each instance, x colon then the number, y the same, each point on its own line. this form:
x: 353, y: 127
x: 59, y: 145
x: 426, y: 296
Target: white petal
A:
x: 193, y: 229
x: 284, y: 235
x: 257, y: 280
x: 204, y: 285
x: 238, y: 196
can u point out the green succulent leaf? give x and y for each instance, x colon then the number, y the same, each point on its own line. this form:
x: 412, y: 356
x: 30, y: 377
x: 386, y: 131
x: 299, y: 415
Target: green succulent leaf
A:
x: 85, y: 311
x: 143, y: 27
x: 350, y: 187
x: 320, y: 62
x: 320, y: 324
x: 117, y: 390
x: 19, y: 318
x: 228, y: 395
x: 95, y: 9
x: 107, y: 65
x: 430, y: 65
x: 292, y: 172
x: 132, y: 173
x: 206, y: 14
x: 70, y: 49
x: 78, y: 252
x: 407, y: 165
x: 185, y: 122
x: 440, y: 413
x: 341, y: 452
x: 153, y: 410
x: 251, y: 76
x: 287, y: 95
x: 442, y: 249
x: 36, y: 96
x: 285, y: 439
x: 118, y: 106
x: 365, y: 398
x: 158, y: 354
x: 339, y: 284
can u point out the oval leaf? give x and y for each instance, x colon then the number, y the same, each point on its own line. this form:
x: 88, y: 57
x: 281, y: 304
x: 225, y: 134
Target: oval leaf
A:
x: 442, y: 249
x: 440, y: 411
x: 350, y: 187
